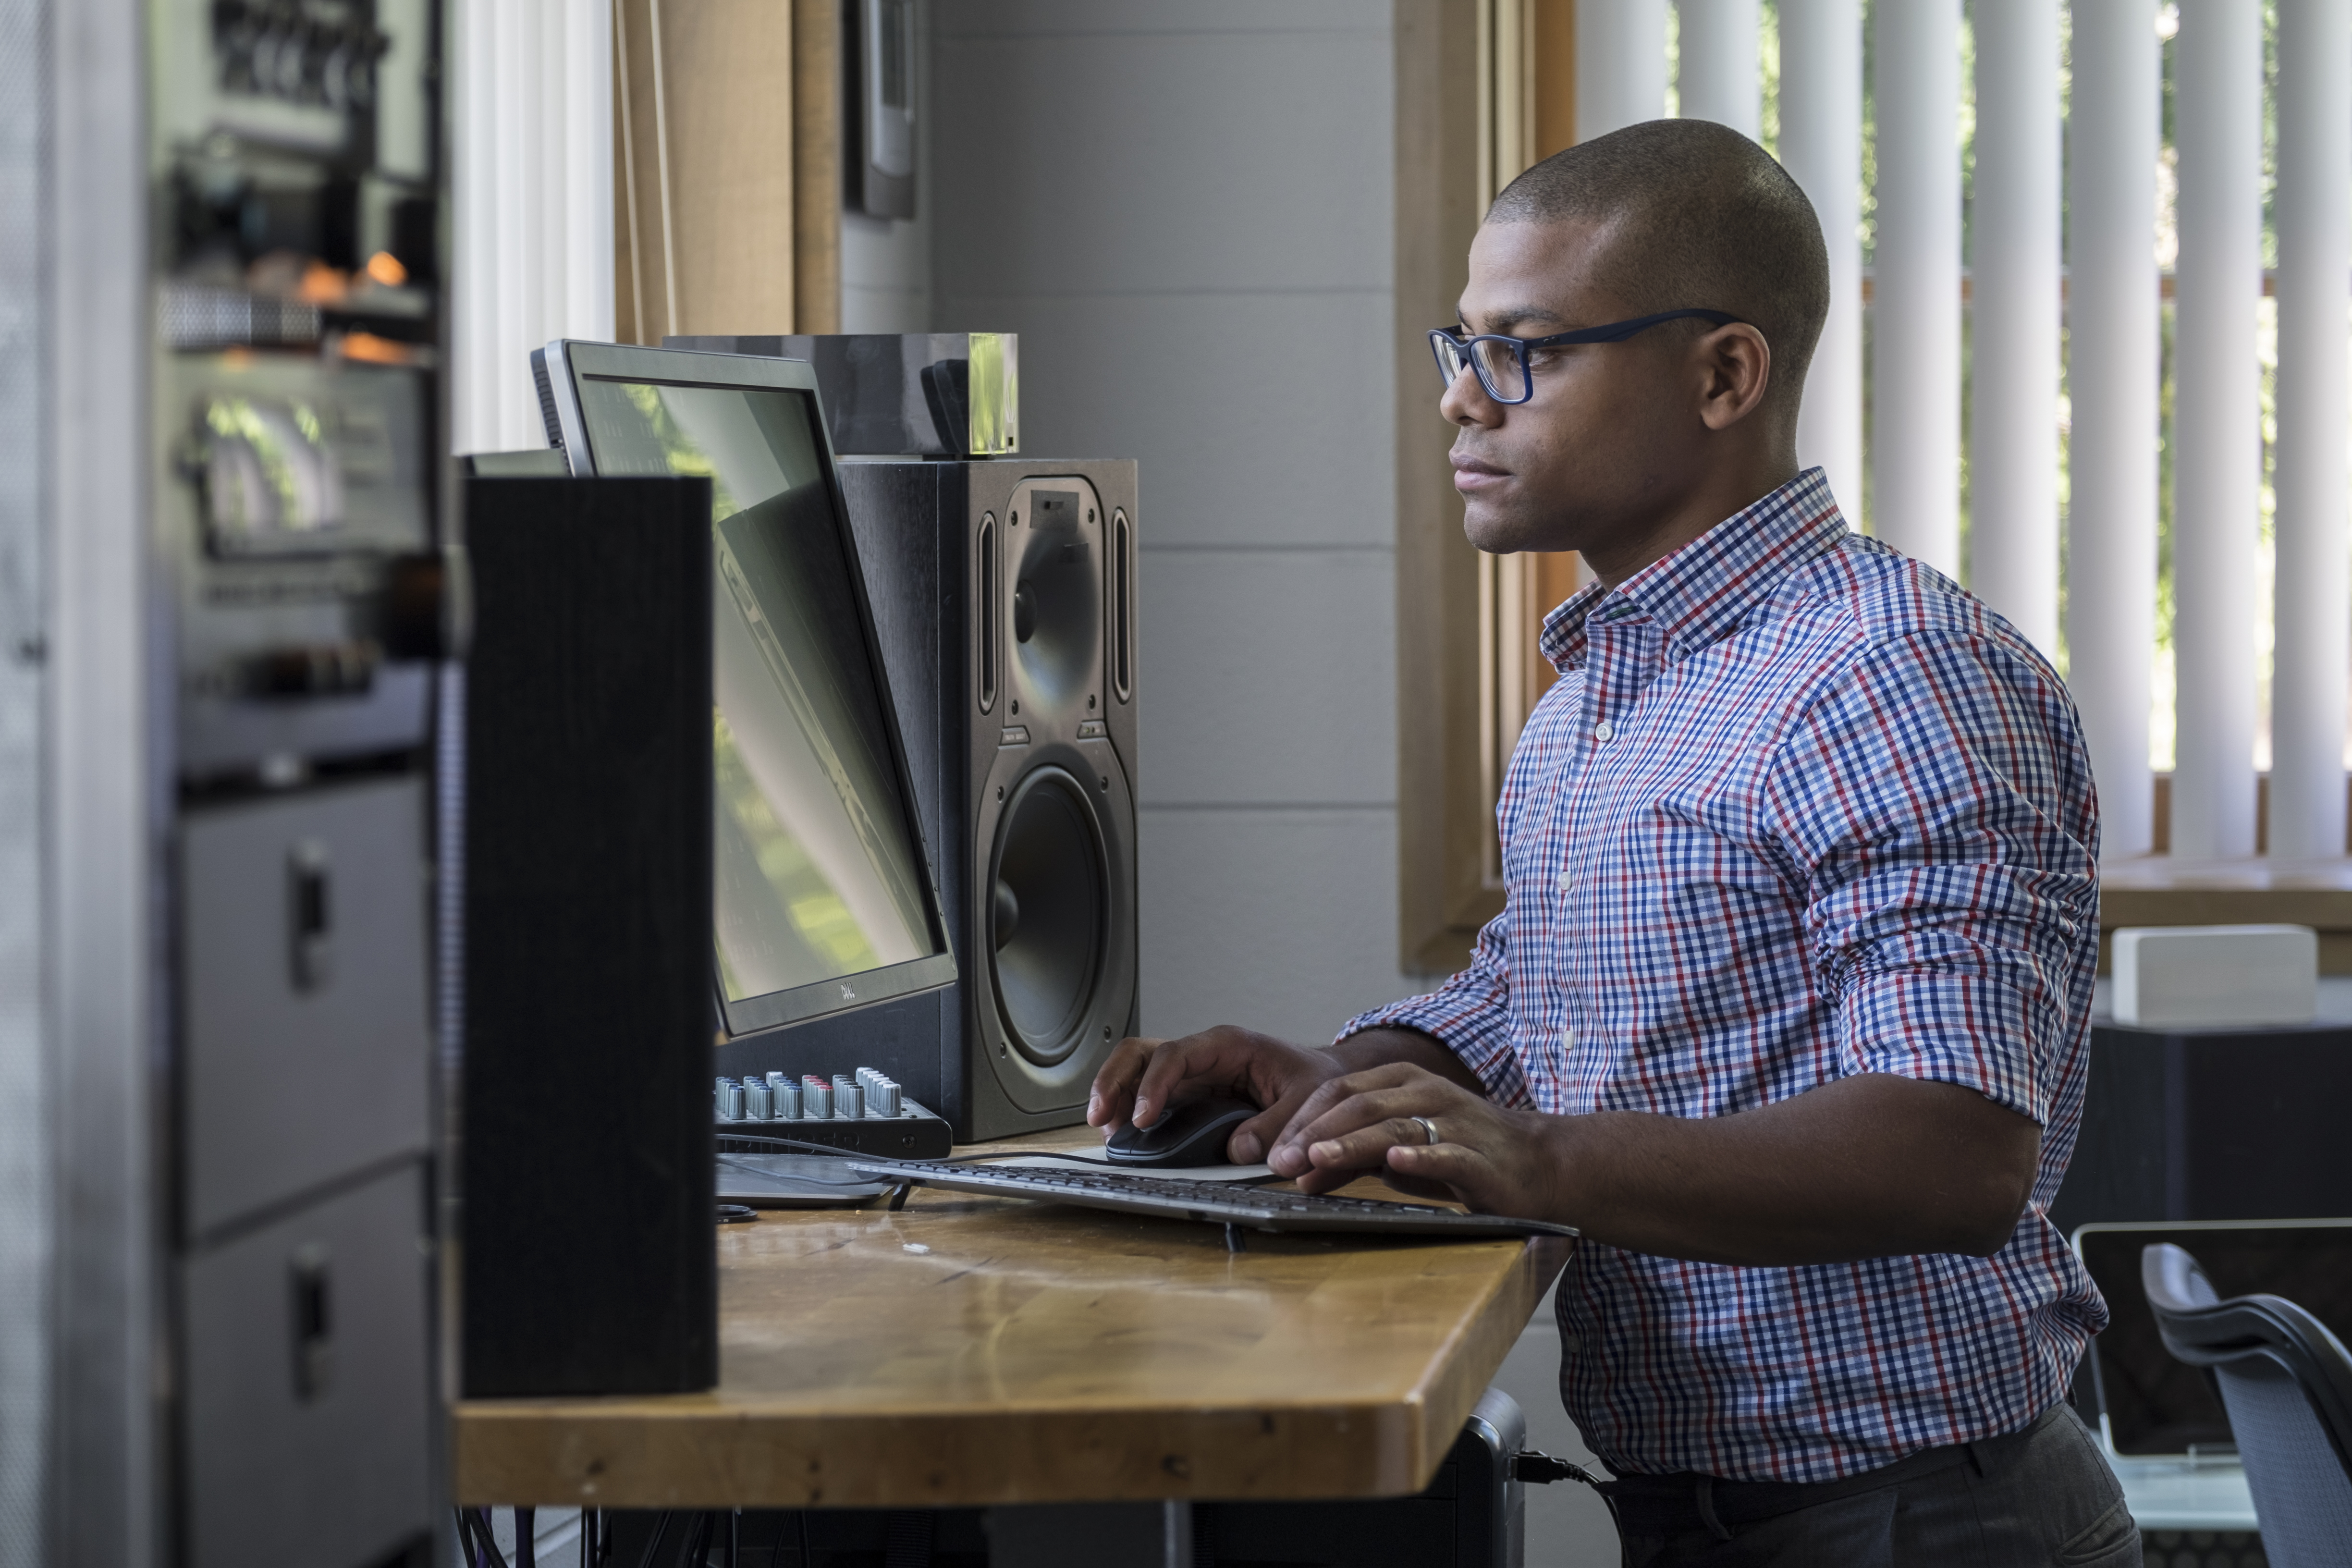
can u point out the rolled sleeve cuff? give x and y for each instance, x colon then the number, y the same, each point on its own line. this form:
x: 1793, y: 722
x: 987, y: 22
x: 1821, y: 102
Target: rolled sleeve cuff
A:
x: 1474, y: 1027
x: 1969, y: 1029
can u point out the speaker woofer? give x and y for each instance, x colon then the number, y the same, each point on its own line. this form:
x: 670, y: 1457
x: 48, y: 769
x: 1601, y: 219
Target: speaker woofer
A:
x: 1049, y: 886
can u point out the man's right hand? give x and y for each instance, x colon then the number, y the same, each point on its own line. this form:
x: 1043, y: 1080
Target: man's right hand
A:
x: 1144, y: 1077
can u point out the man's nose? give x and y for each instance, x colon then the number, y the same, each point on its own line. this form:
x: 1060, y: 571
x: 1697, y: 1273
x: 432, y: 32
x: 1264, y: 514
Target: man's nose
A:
x: 1465, y: 401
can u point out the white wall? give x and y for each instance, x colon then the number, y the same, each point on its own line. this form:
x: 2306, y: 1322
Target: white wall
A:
x: 1186, y: 212
x: 886, y: 273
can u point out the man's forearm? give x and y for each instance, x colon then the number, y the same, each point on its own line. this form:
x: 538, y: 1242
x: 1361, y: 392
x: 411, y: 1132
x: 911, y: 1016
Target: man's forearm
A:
x: 1378, y: 1048
x: 1869, y: 1167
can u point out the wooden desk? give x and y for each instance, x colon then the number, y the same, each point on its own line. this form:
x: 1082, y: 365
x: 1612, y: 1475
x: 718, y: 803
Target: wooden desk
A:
x: 969, y: 1352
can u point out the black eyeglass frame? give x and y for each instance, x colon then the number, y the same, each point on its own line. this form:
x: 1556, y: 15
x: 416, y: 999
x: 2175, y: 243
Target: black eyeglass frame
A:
x: 1441, y: 339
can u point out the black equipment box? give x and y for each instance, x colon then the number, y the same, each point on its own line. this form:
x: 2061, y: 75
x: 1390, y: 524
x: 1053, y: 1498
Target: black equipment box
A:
x: 2211, y: 1124
x: 588, y: 1162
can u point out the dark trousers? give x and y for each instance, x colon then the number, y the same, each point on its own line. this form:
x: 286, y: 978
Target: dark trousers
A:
x: 2041, y: 1495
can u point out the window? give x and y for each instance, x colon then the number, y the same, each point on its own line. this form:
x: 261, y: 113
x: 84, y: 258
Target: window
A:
x: 1485, y: 88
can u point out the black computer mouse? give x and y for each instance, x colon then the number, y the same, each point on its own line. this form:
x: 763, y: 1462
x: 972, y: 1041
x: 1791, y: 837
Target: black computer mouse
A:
x: 1193, y: 1133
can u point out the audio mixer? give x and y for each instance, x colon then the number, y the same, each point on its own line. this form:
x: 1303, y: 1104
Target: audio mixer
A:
x: 863, y: 1112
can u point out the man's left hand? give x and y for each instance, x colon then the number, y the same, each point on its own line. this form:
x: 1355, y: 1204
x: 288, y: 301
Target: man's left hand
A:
x: 1493, y: 1160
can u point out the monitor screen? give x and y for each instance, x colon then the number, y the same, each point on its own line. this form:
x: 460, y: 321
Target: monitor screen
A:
x: 820, y: 874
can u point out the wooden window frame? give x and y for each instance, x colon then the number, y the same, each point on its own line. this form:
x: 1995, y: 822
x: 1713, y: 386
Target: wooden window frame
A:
x: 1484, y: 88
x: 727, y: 164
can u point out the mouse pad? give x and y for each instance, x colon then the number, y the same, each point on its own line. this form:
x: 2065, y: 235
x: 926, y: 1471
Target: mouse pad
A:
x: 1097, y: 1160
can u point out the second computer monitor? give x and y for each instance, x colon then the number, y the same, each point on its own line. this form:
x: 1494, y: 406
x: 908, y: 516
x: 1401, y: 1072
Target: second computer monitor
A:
x: 824, y: 896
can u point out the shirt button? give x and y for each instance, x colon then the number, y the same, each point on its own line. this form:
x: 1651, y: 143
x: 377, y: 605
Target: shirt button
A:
x: 1604, y: 732
x: 1567, y: 883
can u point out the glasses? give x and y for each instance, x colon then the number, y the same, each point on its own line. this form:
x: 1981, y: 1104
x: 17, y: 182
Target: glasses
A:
x: 1502, y: 363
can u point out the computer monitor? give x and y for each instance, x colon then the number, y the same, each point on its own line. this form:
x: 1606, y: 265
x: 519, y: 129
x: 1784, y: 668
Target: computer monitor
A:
x: 2156, y: 1403
x: 825, y: 898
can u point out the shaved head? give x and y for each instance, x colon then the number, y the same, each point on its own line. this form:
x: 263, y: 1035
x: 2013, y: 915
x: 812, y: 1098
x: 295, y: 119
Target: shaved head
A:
x: 1692, y: 214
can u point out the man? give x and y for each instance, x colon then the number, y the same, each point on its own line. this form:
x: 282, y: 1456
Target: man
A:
x: 1787, y: 1007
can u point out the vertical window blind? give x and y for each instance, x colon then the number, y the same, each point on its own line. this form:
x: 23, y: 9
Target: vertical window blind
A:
x: 2091, y: 266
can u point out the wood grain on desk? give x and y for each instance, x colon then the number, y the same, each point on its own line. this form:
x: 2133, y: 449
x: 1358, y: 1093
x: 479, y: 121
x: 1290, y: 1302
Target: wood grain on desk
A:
x: 972, y: 1351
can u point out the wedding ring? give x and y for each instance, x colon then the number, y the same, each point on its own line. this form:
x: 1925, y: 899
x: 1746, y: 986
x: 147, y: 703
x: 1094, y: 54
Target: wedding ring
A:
x: 1429, y: 1127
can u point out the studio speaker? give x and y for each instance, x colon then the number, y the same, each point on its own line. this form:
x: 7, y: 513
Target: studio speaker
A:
x: 588, y: 1257
x: 1004, y: 594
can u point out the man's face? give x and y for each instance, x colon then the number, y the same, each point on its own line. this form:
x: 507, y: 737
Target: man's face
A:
x: 1607, y: 441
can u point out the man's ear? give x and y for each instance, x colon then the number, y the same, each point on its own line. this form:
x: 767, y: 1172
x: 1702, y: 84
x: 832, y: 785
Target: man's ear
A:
x: 1738, y: 365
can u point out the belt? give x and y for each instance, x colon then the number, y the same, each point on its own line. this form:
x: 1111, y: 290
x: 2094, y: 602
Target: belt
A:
x: 1661, y: 1507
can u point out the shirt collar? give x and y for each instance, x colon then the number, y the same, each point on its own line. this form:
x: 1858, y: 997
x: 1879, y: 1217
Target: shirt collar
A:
x: 1702, y: 591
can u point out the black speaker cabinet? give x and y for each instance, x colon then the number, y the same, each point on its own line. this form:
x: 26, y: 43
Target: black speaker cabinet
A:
x: 589, y: 1260
x: 2210, y: 1124
x: 1003, y: 593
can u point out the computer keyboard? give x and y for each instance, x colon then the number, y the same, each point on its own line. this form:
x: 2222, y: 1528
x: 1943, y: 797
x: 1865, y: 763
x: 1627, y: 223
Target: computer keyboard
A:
x: 1214, y: 1203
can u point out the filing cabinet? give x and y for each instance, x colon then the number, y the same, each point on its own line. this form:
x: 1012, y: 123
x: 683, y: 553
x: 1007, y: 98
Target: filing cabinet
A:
x: 303, y: 941
x: 231, y: 604
x: 306, y: 602
x: 307, y: 1381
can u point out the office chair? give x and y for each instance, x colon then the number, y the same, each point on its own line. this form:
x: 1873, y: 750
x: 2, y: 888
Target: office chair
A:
x: 2286, y: 1382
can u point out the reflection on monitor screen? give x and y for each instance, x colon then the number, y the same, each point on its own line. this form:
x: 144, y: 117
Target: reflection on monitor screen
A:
x: 818, y: 873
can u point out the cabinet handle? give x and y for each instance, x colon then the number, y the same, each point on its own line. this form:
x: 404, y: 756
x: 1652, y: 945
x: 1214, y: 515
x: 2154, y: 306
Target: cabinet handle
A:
x: 309, y: 915
x: 314, y: 1345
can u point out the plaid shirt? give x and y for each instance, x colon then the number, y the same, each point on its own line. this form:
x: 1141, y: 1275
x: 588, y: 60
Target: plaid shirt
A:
x: 1798, y: 807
